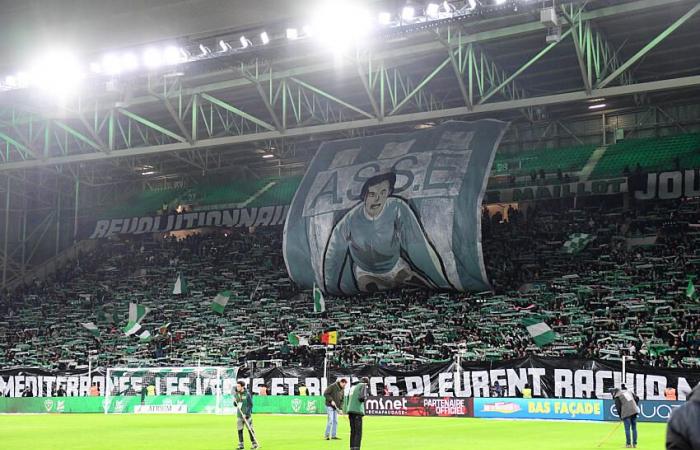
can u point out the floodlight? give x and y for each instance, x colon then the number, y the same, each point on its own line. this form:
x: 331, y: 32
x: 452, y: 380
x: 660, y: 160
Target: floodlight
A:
x: 174, y: 55
x: 56, y: 71
x: 384, y: 18
x: 292, y: 34
x: 432, y: 10
x: 244, y: 42
x: 408, y: 13
x: 22, y: 79
x: 204, y: 50
x: 264, y: 38
x: 185, y: 54
x: 341, y: 24
x: 597, y: 106
x: 130, y: 61
x: 111, y: 64
x: 224, y: 46
x: 268, y: 155
x: 152, y: 58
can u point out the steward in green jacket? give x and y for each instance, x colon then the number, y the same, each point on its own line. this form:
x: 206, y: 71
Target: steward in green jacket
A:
x: 354, y: 406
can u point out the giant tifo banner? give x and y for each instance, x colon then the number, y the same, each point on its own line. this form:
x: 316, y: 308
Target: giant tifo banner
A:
x: 385, y: 211
x: 548, y: 378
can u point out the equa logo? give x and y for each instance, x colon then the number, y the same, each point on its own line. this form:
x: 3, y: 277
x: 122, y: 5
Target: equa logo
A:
x: 651, y: 412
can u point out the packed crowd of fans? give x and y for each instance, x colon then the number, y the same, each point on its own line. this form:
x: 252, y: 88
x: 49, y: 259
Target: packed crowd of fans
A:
x: 624, y: 294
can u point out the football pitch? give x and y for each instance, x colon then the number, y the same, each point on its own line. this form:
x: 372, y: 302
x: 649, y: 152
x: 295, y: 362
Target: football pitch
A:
x: 210, y: 432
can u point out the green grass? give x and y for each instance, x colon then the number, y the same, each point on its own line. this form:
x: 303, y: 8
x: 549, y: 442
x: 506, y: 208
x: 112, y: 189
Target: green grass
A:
x: 208, y: 432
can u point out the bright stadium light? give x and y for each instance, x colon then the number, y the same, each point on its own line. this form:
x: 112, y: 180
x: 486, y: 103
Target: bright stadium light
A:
x: 432, y: 10
x: 244, y: 42
x: 384, y: 18
x: 111, y: 64
x: 22, y: 79
x: 204, y: 50
x: 264, y: 38
x: 173, y: 55
x: 184, y: 54
x: 408, y: 13
x: 130, y: 61
x: 292, y: 34
x: 57, y: 72
x: 152, y: 58
x: 224, y: 46
x: 341, y: 24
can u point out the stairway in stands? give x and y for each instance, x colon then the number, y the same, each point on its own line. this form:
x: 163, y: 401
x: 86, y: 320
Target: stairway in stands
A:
x: 258, y: 193
x: 587, y: 169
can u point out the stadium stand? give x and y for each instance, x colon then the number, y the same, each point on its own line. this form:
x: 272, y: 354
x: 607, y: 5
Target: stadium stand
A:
x: 281, y: 193
x: 614, y: 298
x: 665, y: 153
x: 143, y: 203
x: 568, y: 159
x: 652, y: 154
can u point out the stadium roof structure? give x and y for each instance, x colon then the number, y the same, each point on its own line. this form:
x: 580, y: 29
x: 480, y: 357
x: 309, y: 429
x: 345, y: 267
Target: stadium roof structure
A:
x: 282, y: 99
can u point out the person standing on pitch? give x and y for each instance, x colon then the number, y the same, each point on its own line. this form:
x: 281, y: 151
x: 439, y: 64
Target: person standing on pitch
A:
x: 627, y: 404
x: 244, y: 403
x: 334, y: 403
x: 355, y: 407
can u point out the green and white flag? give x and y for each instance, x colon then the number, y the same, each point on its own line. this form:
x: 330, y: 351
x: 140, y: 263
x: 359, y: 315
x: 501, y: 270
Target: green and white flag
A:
x: 132, y: 328
x: 577, y: 242
x: 319, y: 301
x: 145, y: 336
x: 297, y: 341
x: 690, y: 290
x: 136, y: 314
x: 92, y: 328
x: 180, y: 285
x: 540, y: 331
x: 293, y: 339
x: 220, y: 301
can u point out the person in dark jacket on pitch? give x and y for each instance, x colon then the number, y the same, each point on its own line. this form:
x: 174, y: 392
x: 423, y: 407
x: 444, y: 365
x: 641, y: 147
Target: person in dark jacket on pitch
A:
x: 244, y: 403
x: 355, y: 407
x: 683, y: 432
x: 627, y: 404
x: 334, y: 402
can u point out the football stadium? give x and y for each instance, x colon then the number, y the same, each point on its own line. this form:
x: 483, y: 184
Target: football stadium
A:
x: 349, y: 224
